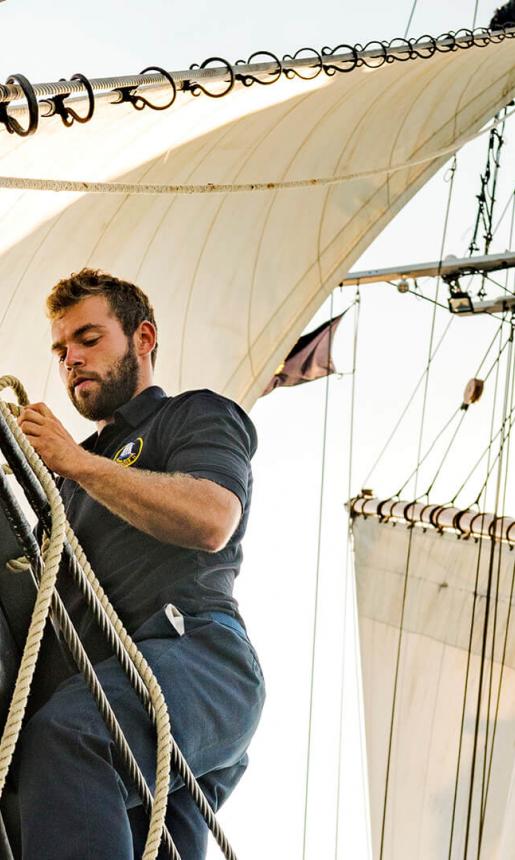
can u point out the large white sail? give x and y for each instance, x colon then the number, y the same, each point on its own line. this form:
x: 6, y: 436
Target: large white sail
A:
x: 441, y: 769
x: 235, y: 277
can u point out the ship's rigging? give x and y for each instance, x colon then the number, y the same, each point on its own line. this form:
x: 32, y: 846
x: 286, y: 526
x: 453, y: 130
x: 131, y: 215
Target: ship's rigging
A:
x: 244, y: 363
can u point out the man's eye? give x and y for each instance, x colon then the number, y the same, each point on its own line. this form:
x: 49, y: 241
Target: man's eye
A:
x: 90, y: 342
x: 61, y: 356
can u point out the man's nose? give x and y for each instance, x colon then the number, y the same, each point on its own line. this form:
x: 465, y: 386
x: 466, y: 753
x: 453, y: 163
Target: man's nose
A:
x: 73, y: 358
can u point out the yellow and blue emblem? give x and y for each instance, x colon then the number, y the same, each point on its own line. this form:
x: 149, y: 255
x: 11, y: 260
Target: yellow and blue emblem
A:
x: 130, y: 452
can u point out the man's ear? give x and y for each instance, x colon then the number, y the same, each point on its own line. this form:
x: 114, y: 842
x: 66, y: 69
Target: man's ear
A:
x: 145, y: 338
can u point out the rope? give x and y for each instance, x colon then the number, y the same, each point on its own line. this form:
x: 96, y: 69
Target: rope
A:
x: 410, y: 539
x: 474, y: 19
x: 464, y: 413
x: 410, y: 19
x: 39, y: 504
x: 13, y: 725
x: 504, y: 444
x: 410, y: 401
x: 505, y: 441
x: 14, y: 721
x: 357, y: 303
x: 133, y: 663
x: 473, y: 617
x: 317, y: 588
x: 89, y: 187
x: 486, y: 621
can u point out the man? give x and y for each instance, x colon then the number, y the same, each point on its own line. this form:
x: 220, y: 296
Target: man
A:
x: 159, y: 500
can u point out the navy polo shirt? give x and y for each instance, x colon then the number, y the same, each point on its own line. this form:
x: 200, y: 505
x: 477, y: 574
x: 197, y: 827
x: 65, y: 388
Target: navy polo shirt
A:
x: 198, y: 433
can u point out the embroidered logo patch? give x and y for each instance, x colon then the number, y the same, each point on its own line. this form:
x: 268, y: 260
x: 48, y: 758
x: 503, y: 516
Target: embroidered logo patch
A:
x: 130, y: 452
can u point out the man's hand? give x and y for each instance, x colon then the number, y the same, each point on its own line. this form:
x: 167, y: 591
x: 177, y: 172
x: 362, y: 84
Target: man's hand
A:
x: 53, y: 443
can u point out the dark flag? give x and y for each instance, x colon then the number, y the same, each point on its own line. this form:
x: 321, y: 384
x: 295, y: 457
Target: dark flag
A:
x: 309, y: 359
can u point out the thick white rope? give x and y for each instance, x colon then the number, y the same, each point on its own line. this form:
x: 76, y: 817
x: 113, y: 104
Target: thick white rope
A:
x: 37, y: 625
x: 87, y: 187
x: 61, y: 530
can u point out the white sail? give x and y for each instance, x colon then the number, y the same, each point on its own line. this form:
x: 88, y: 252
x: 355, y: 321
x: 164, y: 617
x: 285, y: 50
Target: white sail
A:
x: 418, y: 615
x: 234, y: 277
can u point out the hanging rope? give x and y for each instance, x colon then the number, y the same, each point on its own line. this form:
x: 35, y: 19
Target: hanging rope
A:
x: 504, y: 448
x: 411, y: 398
x: 88, y: 187
x: 132, y: 661
x: 486, y: 783
x: 447, y: 424
x: 348, y: 554
x: 410, y: 539
x: 410, y: 19
x: 472, y: 624
x: 487, y: 617
x: 317, y: 586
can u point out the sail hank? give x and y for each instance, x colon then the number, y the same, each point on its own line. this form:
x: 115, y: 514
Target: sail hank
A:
x: 463, y: 522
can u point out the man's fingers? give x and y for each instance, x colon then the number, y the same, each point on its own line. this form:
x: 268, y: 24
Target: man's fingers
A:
x: 31, y: 414
x: 30, y: 428
x: 41, y: 408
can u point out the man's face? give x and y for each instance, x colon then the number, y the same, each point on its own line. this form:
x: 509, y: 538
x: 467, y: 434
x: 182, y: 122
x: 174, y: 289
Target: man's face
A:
x: 97, y: 361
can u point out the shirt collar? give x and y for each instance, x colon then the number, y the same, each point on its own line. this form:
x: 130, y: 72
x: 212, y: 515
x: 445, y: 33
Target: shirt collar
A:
x: 138, y: 408
x: 133, y: 412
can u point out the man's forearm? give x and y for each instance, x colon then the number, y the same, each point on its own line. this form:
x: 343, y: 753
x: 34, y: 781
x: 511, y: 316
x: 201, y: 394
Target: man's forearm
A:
x: 173, y: 508
x: 179, y: 509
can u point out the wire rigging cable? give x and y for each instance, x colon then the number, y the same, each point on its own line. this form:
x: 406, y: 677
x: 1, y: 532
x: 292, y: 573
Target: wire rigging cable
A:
x: 393, y: 711
x: 347, y: 577
x: 472, y: 628
x: 447, y: 424
x: 317, y: 584
x: 487, y: 615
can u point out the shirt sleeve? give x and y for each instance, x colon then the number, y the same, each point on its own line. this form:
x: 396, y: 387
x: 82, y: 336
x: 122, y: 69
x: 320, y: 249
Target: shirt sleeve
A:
x: 212, y: 438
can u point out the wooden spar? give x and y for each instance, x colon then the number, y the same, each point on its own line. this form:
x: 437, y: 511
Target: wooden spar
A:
x: 448, y: 268
x: 466, y: 523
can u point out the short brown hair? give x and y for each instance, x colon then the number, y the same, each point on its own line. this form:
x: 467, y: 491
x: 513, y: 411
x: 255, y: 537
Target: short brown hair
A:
x: 128, y: 303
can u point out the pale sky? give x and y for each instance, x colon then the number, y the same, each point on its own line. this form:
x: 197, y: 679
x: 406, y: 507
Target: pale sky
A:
x: 277, y: 584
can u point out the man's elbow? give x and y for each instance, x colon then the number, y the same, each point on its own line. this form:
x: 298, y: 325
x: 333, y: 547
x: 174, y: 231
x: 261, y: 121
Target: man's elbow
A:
x: 217, y: 534
x: 216, y: 539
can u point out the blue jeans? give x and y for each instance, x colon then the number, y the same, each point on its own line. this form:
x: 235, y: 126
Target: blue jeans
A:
x: 77, y: 803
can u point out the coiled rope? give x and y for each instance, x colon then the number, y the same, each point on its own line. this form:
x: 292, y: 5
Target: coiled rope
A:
x: 132, y: 661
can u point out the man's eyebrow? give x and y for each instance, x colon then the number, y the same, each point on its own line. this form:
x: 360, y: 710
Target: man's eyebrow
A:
x: 58, y: 344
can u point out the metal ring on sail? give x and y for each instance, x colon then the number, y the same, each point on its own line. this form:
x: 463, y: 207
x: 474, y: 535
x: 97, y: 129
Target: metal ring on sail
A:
x: 12, y: 125
x: 354, y: 61
x: 248, y: 80
x: 139, y: 102
x: 318, y: 65
x: 196, y: 89
x: 170, y: 81
x: 68, y: 114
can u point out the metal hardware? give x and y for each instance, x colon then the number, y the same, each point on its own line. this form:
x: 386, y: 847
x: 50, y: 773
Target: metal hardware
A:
x: 248, y: 80
x: 306, y: 63
x: 67, y: 113
x: 196, y: 89
x: 12, y: 125
x: 139, y: 102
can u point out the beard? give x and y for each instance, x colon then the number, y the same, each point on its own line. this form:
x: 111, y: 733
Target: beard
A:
x: 110, y: 392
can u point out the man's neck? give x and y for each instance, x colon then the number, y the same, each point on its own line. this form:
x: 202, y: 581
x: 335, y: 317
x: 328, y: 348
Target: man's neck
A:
x: 105, y: 421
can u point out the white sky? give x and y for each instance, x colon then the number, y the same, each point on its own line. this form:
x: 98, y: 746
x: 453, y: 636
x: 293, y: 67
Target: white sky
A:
x: 277, y: 587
